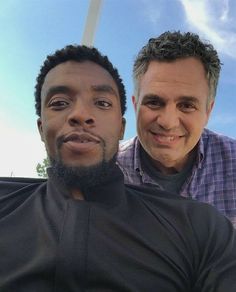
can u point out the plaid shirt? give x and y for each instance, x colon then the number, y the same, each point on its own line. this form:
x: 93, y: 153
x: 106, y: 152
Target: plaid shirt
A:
x: 213, y: 176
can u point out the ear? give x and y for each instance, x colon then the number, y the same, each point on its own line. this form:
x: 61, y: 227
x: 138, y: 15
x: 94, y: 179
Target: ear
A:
x: 209, y: 108
x: 134, y: 102
x: 40, y: 128
x: 122, y: 132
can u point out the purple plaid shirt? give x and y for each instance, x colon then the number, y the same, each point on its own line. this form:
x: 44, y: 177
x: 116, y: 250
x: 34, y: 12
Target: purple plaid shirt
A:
x: 213, y: 176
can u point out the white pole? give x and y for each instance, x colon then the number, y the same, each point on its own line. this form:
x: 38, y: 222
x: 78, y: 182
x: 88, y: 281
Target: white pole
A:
x: 91, y: 22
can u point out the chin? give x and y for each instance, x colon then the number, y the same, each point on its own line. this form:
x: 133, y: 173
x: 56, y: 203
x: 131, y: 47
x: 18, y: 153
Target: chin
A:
x: 166, y: 161
x: 83, y: 175
x: 82, y: 162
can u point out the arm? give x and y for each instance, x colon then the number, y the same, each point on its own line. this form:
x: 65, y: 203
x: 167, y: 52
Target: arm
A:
x: 217, y: 262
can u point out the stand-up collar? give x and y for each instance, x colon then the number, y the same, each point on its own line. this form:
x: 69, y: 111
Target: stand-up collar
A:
x: 110, y: 193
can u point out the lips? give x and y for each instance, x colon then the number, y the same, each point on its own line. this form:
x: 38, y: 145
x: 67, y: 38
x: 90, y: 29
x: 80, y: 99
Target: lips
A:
x: 80, y: 138
x: 165, y: 139
x: 80, y: 143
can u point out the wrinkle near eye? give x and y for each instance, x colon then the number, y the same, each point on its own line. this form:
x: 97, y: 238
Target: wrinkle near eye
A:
x: 187, y: 107
x: 153, y: 101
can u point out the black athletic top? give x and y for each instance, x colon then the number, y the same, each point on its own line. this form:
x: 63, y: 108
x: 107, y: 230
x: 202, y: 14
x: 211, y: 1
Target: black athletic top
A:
x: 120, y: 238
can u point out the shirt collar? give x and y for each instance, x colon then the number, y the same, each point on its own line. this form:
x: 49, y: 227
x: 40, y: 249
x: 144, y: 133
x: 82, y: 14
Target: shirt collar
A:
x: 200, y: 152
x: 109, y: 194
x: 137, y: 160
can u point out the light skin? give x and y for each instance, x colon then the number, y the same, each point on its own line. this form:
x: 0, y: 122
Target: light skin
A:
x: 81, y: 108
x: 172, y: 109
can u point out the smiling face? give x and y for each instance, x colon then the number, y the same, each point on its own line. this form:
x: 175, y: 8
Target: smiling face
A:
x: 172, y: 109
x: 81, y: 121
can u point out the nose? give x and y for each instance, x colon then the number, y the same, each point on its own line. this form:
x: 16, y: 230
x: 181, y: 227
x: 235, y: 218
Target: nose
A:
x: 168, y: 118
x: 81, y: 114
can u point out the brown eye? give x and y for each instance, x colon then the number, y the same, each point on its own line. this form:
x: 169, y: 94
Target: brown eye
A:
x: 103, y: 104
x: 187, y: 107
x: 58, y: 104
x: 153, y: 103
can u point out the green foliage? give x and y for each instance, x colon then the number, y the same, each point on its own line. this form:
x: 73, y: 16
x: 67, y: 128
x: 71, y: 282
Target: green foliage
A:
x: 41, y: 168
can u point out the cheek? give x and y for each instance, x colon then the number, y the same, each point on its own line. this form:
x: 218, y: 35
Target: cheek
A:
x: 111, y: 132
x: 49, y: 136
x: 53, y: 124
x: 145, y: 117
x: 195, y: 126
x: 47, y: 131
x: 107, y: 128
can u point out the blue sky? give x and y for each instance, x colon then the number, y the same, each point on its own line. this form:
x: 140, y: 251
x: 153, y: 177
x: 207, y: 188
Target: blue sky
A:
x: 32, y: 29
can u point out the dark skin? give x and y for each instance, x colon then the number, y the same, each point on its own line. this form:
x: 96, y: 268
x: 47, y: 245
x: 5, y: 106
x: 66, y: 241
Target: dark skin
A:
x: 81, y: 109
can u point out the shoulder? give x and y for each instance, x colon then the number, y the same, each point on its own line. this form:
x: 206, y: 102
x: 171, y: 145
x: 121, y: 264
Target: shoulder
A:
x: 13, y: 184
x: 127, y: 146
x: 127, y: 153
x: 219, y: 148
x: 180, y: 210
x: 217, y: 139
x: 128, y: 160
x: 21, y: 180
x: 203, y: 236
x: 15, y: 191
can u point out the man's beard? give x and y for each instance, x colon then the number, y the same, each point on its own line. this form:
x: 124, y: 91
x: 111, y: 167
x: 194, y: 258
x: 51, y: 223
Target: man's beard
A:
x: 83, y: 177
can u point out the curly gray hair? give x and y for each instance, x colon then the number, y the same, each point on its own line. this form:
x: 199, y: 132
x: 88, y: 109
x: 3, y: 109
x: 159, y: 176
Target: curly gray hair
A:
x: 170, y: 46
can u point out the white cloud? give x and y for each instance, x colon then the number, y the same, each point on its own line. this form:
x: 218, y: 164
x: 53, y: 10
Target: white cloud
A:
x: 20, y: 150
x: 213, y: 20
x: 225, y: 11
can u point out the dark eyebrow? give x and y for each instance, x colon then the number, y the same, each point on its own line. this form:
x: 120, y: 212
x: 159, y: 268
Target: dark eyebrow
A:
x: 104, y: 88
x: 55, y: 90
x: 189, y: 98
x: 182, y: 98
x: 153, y: 97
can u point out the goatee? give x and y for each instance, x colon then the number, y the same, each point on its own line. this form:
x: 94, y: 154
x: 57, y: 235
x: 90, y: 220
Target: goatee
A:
x: 83, y: 177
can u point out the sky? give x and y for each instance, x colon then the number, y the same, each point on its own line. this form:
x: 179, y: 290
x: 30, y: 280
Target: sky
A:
x: 32, y: 29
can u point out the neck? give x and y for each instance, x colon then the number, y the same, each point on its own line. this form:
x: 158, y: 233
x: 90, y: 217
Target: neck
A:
x: 171, y: 168
x: 77, y: 194
x: 165, y: 169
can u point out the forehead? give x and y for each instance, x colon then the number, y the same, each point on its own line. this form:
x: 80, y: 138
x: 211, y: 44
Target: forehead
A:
x: 181, y: 74
x: 190, y: 69
x: 72, y: 73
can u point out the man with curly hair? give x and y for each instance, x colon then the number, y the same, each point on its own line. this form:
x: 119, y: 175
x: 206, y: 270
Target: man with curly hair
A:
x: 82, y: 229
x: 175, y: 82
